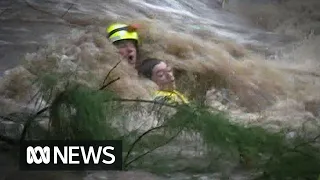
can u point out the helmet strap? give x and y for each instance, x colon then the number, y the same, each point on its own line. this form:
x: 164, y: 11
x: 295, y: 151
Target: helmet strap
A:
x: 126, y: 28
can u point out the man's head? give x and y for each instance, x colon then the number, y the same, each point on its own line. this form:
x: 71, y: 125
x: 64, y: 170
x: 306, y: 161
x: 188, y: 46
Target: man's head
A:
x: 126, y: 39
x: 159, y: 72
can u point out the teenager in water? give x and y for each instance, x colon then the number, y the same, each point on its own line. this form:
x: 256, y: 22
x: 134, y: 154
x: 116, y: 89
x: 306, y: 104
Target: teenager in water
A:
x: 161, y: 73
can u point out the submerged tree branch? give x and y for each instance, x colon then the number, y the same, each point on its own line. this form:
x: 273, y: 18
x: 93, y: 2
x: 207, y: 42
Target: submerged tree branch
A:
x: 107, y: 76
x: 32, y: 117
x: 29, y: 121
x: 38, y: 9
x: 52, y: 14
x: 112, y: 81
x: 308, y: 142
x: 67, y: 10
x: 145, y: 101
x: 138, y: 139
x: 12, y: 141
x: 153, y: 149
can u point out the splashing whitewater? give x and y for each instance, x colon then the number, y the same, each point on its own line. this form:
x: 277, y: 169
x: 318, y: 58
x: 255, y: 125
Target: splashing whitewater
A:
x: 265, y: 64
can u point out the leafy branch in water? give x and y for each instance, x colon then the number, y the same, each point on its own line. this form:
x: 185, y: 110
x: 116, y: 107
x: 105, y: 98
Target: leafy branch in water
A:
x: 136, y: 141
x: 80, y: 112
x: 104, y: 84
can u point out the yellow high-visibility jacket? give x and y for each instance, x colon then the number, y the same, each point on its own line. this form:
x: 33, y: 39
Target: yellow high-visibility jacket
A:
x: 172, y: 97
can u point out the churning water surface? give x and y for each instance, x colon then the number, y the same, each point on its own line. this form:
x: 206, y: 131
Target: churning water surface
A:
x: 268, y: 53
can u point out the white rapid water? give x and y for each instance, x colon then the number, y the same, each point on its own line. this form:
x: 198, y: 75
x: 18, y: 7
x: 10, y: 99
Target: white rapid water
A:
x: 28, y: 24
x: 277, y: 85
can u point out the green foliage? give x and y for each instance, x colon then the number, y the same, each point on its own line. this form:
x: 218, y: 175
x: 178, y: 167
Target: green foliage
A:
x: 254, y: 147
x: 299, y: 160
x: 79, y: 112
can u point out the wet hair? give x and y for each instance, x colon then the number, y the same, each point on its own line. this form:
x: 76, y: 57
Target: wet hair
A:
x: 147, y: 66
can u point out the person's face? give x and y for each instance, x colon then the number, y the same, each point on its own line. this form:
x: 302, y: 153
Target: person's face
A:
x: 127, y: 50
x: 162, y: 75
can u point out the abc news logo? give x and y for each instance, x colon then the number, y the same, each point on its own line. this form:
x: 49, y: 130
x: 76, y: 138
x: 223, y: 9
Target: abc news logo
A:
x: 71, y: 155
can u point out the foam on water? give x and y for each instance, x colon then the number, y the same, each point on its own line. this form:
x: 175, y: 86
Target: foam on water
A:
x: 192, y: 36
x: 257, y: 82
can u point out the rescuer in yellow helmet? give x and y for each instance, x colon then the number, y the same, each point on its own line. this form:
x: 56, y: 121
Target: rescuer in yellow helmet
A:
x: 126, y: 39
x: 161, y: 73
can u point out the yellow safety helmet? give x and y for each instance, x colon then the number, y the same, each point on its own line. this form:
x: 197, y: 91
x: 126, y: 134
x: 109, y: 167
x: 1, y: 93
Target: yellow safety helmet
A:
x: 118, y: 31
